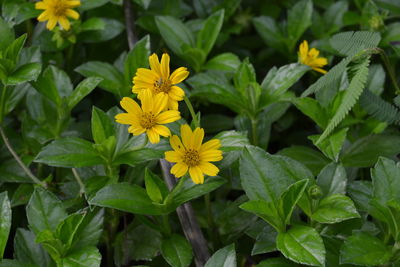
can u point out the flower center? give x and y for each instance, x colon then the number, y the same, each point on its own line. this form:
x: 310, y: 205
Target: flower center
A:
x: 148, y: 120
x: 162, y: 86
x: 191, y: 157
x: 59, y: 8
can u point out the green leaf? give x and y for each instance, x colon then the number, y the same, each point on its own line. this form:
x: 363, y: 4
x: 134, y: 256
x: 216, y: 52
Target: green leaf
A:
x: 311, y: 158
x: 113, y: 80
x: 365, y: 151
x: 267, y: 211
x: 332, y: 179
x: 25, y: 73
x: 93, y: 24
x: 177, y: 251
x: 67, y: 229
x: 332, y: 145
x: 265, y: 241
x: 15, y: 263
x: 299, y: 19
x: 83, y: 89
x: 111, y: 29
x: 278, y: 81
x: 126, y: 197
x: 21, y: 195
x: 386, y: 180
x: 191, y: 191
x: 350, y: 97
x: 244, y: 76
x: 224, y: 257
x: 277, y: 262
x: 350, y: 43
x: 152, y: 189
x: 269, y: 31
x: 102, y: 126
x: 14, y: 49
x: 207, y: 36
x: 223, y: 62
x: 174, y: 33
x: 265, y: 176
x: 69, y: 152
x: 289, y: 199
x: 361, y: 193
x: 335, y: 208
x: 138, y: 57
x: 89, y: 256
x: 44, y: 211
x: 302, y: 244
x: 6, y: 33
x: 5, y: 221
x: 28, y: 251
x: 313, y: 109
x: 364, y: 249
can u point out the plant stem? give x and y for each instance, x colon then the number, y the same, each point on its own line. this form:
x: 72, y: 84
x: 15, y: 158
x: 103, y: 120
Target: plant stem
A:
x: 390, y: 70
x: 175, y: 189
x: 191, y: 110
x: 79, y: 181
x: 19, y: 161
x: 166, y: 225
x: 254, y: 134
x: 129, y: 23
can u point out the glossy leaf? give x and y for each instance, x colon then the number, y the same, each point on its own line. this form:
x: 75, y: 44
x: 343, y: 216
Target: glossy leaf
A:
x: 364, y: 249
x: 28, y: 251
x: 225, y: 62
x: 289, y: 199
x: 5, y: 221
x: 209, y: 33
x: 83, y: 89
x: 25, y: 73
x: 89, y: 256
x: 302, y: 244
x: 332, y: 179
x: 102, y: 126
x: 265, y: 241
x: 224, y: 257
x: 177, y: 251
x: 335, y: 208
x: 138, y: 57
x: 386, y: 180
x: 299, y: 19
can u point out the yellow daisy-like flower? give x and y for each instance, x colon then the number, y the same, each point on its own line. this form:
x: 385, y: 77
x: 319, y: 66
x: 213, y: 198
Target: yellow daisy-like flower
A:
x: 310, y: 58
x: 148, y: 118
x: 159, y: 80
x: 58, y: 11
x: 192, y: 155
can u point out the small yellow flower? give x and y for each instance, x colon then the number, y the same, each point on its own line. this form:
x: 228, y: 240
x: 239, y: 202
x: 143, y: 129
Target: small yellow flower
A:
x: 192, y: 155
x: 148, y: 118
x: 58, y: 11
x: 159, y: 80
x: 310, y: 58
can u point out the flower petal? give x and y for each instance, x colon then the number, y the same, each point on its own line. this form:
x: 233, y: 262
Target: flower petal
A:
x: 187, y: 136
x: 155, y: 64
x: 162, y: 130
x: 176, y: 93
x: 208, y: 168
x: 51, y: 23
x: 211, y: 145
x: 154, y: 137
x: 196, y: 175
x: 160, y: 102
x: 211, y: 155
x: 168, y: 116
x: 173, y: 156
x: 147, y: 101
x: 176, y: 143
x: 64, y: 22
x: 40, y: 5
x: 44, y: 16
x: 131, y: 106
x: 125, y: 118
x: 72, y: 14
x: 179, y: 169
x: 136, y: 129
x: 73, y: 3
x: 165, y: 66
x: 179, y: 75
x: 198, y: 136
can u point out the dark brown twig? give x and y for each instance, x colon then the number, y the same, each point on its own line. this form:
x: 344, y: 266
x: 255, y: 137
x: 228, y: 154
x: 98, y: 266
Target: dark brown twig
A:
x: 129, y: 23
x: 188, y: 221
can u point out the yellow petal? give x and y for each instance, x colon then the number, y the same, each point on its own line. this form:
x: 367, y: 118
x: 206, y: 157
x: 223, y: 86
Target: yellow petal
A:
x: 155, y: 64
x: 51, y: 23
x: 179, y: 75
x: 162, y: 130
x: 211, y: 145
x: 147, y: 101
x: 44, y: 16
x: 154, y: 137
x: 165, y: 66
x: 313, y: 53
x: 40, y: 5
x: 176, y: 143
x: 208, y: 168
x: 72, y: 14
x: 146, y: 75
x: 173, y: 156
x: 73, y: 3
x: 168, y: 117
x: 176, y: 93
x: 304, y: 48
x: 196, y: 175
x: 172, y: 104
x: 64, y: 22
x: 136, y: 129
x: 211, y: 155
x: 160, y: 102
x: 321, y: 61
x: 179, y: 169
x: 125, y: 118
x: 320, y: 70
x: 198, y: 136
x: 131, y: 106
x: 187, y: 136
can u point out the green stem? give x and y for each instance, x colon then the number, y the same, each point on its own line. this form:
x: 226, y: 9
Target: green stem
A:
x: 19, y: 161
x: 390, y: 70
x: 3, y: 103
x: 254, y: 123
x: 174, y: 190
x: 79, y: 181
x: 191, y: 110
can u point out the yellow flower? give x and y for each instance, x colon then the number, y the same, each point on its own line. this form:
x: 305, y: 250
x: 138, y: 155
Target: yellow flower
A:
x: 192, y: 155
x: 148, y: 118
x: 159, y: 81
x: 58, y: 11
x: 310, y: 58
